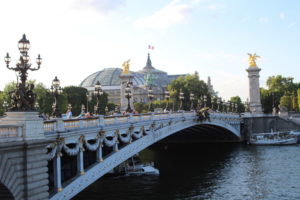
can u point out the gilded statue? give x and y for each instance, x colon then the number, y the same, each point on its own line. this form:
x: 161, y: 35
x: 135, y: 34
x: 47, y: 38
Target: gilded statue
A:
x: 252, y: 58
x: 126, y: 67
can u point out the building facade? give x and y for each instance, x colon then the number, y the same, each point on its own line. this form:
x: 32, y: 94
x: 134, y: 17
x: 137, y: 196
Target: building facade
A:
x: 142, y: 80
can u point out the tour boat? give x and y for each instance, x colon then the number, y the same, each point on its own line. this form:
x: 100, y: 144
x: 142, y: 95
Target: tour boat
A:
x: 136, y: 167
x: 274, y: 138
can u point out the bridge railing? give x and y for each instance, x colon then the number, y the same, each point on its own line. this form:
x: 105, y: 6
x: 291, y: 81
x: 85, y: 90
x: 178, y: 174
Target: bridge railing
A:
x: 69, y: 124
x: 10, y: 131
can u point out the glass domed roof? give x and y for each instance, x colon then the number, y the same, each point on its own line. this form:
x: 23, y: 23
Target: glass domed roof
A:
x: 110, y: 77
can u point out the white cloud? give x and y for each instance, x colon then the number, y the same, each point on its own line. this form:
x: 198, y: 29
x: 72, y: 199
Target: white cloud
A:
x: 292, y: 24
x: 224, y: 56
x: 214, y: 7
x: 101, y: 6
x: 263, y: 20
x: 282, y: 15
x: 173, y: 13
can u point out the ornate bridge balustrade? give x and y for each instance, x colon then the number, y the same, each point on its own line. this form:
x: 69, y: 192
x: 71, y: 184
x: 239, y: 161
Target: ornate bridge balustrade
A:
x: 123, y: 135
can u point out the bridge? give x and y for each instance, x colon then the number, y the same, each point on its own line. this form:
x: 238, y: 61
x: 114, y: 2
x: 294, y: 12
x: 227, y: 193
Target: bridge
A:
x: 33, y: 151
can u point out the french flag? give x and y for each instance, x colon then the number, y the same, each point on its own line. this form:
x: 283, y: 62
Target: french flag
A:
x: 150, y: 47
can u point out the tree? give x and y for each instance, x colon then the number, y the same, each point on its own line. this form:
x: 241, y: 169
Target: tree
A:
x: 76, y: 96
x: 188, y: 84
x: 286, y: 101
x: 237, y: 100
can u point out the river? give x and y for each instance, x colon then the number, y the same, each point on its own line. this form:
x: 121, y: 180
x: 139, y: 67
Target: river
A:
x: 209, y: 171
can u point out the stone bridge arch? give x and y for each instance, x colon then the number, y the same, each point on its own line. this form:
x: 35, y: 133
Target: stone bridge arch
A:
x: 154, y: 131
x: 8, y: 180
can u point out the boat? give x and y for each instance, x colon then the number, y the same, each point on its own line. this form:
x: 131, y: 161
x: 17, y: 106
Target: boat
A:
x: 134, y: 166
x: 274, y: 138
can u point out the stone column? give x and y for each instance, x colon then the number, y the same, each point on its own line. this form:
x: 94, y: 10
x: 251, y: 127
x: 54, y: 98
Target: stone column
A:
x: 23, y: 158
x: 254, y: 92
x: 124, y: 102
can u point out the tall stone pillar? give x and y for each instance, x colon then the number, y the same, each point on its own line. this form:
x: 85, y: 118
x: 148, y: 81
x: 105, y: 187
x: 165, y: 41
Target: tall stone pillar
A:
x: 254, y: 92
x: 125, y: 78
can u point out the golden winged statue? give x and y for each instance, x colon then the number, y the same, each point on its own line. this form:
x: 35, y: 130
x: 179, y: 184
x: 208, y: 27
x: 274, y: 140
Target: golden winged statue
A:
x: 252, y: 58
x: 126, y: 67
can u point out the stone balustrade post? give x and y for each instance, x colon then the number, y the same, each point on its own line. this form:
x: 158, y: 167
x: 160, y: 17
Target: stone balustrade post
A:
x: 101, y: 122
x: 81, y: 123
x: 130, y: 118
x: 115, y: 120
x: 60, y: 125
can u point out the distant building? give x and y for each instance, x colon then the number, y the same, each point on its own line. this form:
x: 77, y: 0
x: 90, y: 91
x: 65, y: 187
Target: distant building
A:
x: 142, y: 79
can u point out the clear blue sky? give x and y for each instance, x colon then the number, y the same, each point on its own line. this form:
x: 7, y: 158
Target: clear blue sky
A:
x: 79, y: 37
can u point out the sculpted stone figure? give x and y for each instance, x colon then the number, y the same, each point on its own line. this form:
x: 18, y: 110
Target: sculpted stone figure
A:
x: 252, y: 58
x: 126, y: 67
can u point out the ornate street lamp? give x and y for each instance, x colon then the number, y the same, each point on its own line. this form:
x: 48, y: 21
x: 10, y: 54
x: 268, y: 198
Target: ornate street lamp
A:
x: 82, y: 108
x: 219, y: 100
x: 224, y: 106
x: 205, y: 100
x: 181, y: 97
x: 87, y: 102
x: 150, y: 96
x: 228, y: 106
x: 23, y: 98
x: 128, y: 95
x: 167, y: 96
x: 192, y: 98
x: 97, y: 92
x: 5, y: 106
x: 55, y: 90
x: 106, y: 110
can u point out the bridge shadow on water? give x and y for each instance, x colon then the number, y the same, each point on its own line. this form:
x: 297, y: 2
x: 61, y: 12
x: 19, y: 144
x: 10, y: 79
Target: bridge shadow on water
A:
x: 186, y: 171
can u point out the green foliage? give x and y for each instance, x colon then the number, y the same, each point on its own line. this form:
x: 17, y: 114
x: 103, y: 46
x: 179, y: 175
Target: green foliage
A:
x: 286, y: 101
x: 140, y: 107
x: 2, y: 109
x: 102, y: 103
x: 76, y: 96
x: 188, y: 84
x: 280, y: 91
x: 238, y: 101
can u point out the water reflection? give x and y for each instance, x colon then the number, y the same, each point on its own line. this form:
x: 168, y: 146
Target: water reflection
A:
x: 209, y: 171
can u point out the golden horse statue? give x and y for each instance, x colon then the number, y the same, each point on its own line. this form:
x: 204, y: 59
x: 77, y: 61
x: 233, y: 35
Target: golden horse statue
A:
x: 252, y: 58
x: 126, y: 67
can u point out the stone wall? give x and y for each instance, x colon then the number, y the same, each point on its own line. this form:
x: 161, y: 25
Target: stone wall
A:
x: 266, y: 123
x: 23, y: 170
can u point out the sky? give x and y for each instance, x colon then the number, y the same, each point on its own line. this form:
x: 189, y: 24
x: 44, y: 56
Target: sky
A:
x: 79, y: 37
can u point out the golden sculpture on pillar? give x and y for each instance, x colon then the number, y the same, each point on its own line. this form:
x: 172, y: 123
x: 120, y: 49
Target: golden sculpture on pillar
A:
x: 252, y: 58
x: 126, y: 67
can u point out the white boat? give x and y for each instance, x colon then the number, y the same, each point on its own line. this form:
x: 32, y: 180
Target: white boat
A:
x: 274, y: 138
x: 136, y: 167
x: 142, y: 170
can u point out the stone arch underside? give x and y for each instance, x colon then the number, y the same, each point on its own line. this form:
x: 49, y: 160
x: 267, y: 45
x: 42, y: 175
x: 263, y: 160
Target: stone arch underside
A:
x: 9, y: 188
x: 94, y: 172
x: 203, y: 133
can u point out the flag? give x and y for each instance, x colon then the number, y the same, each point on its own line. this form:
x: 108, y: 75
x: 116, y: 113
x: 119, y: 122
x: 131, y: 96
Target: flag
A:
x: 150, y: 47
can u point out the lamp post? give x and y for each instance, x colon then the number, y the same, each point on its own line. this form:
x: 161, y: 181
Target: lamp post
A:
x: 181, y: 97
x: 192, y: 98
x: 128, y: 95
x: 97, y: 92
x: 87, y: 102
x: 205, y: 100
x: 5, y: 106
x: 228, y: 106
x: 150, y: 96
x: 106, y: 110
x: 219, y: 100
x: 55, y: 90
x: 224, y: 106
x: 23, y: 98
x: 167, y: 96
